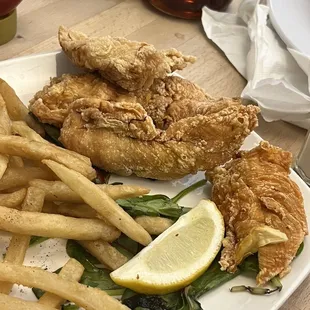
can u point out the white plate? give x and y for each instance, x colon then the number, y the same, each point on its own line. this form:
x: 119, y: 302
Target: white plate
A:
x: 291, y: 19
x: 29, y: 74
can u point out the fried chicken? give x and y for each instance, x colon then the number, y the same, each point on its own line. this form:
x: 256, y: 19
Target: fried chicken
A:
x: 171, y: 99
x: 166, y: 101
x: 121, y: 137
x: 254, y: 191
x: 129, y: 64
x: 52, y: 104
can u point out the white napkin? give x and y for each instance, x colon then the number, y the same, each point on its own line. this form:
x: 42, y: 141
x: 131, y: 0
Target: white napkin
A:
x: 278, y: 77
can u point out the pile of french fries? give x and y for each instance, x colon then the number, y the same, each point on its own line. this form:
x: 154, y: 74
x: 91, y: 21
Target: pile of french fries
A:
x: 47, y: 191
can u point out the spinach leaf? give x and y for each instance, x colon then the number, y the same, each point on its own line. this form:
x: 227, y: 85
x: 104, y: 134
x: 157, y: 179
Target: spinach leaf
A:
x: 151, y: 302
x: 123, y: 251
x: 128, y: 244
x: 38, y: 292
x: 93, y: 276
x: 52, y: 134
x: 250, y: 265
x: 187, y: 190
x: 100, y: 278
x: 173, y: 301
x: 158, y: 205
x: 212, y: 278
x: 70, y: 307
x: 186, y: 299
x: 37, y: 240
x: 77, y: 252
x: 152, y: 205
x: 300, y: 249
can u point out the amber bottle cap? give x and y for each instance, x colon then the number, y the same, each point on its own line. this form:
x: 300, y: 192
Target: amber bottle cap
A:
x: 8, y: 26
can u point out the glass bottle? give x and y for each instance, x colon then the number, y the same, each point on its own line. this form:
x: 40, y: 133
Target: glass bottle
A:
x: 189, y: 9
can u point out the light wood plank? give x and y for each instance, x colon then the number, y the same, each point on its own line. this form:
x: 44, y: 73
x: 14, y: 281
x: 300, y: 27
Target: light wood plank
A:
x: 24, y: 8
x: 115, y: 21
x: 43, y: 23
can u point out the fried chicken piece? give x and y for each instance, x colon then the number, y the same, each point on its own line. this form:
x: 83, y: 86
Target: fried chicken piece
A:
x: 254, y: 191
x: 127, y: 142
x: 168, y: 100
x: 52, y: 104
x: 129, y: 64
x: 171, y: 99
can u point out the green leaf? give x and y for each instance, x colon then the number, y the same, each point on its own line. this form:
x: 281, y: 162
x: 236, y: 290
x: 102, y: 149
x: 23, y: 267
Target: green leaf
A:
x: 128, y: 244
x: 37, y: 240
x: 300, y: 249
x: 152, y: 205
x: 186, y: 299
x: 187, y: 190
x: 101, y: 279
x: 276, y: 282
x: 77, y: 252
x: 212, y: 278
x: 122, y: 250
x: 152, y: 302
x: 70, y: 307
x: 158, y: 205
x: 38, y: 292
x: 92, y: 275
x: 52, y: 134
x: 250, y: 265
x: 173, y: 301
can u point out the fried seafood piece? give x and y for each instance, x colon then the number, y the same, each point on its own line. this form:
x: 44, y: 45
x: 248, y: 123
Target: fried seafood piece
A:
x: 52, y: 104
x: 166, y: 101
x: 171, y: 99
x: 129, y: 64
x: 253, y: 192
x: 121, y: 137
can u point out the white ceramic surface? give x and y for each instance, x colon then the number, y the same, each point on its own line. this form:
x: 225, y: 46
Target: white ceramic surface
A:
x: 29, y: 74
x: 291, y: 19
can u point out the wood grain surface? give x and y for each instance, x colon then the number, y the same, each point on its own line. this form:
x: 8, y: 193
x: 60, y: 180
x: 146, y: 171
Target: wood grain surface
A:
x: 38, y: 22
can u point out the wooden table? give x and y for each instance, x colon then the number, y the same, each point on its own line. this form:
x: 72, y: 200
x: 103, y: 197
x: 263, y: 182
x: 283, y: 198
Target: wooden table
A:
x: 38, y: 23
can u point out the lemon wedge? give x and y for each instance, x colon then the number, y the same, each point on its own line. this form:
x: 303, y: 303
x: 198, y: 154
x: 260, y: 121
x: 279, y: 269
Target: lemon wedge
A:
x: 178, y: 256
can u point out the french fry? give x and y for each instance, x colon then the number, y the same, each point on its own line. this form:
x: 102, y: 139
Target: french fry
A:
x: 71, y: 209
x: 87, y: 297
x: 100, y: 202
x: 5, y: 122
x: 19, y: 146
x: 16, y: 109
x: 15, y: 162
x: 105, y: 253
x: 10, y: 303
x: 19, y: 244
x: 22, y: 129
x: 20, y: 177
x: 71, y: 271
x: 55, y: 226
x: 5, y: 129
x: 154, y: 225
x: 59, y: 191
x: 14, y: 199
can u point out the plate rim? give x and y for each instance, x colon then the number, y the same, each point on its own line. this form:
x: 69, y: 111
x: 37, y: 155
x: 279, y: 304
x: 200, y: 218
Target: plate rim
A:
x: 301, y: 276
x: 279, y: 30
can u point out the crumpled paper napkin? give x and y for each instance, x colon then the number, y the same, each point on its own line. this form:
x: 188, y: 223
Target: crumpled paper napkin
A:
x: 278, y: 77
